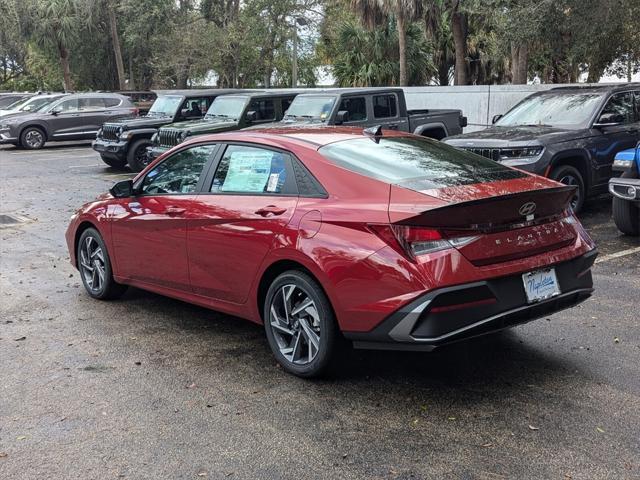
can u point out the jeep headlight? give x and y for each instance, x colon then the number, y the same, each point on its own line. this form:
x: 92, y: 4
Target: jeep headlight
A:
x: 98, y: 134
x: 184, y: 135
x: 155, y: 138
x: 520, y: 155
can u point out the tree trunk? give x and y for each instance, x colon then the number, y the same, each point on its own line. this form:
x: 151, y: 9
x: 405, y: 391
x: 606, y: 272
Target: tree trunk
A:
x: 63, y: 53
x: 443, y: 73
x: 519, y: 64
x: 402, y: 48
x: 115, y: 40
x: 458, y: 28
x: 132, y: 83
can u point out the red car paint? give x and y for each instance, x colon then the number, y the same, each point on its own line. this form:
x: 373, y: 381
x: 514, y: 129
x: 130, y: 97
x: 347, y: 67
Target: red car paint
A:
x: 213, y: 250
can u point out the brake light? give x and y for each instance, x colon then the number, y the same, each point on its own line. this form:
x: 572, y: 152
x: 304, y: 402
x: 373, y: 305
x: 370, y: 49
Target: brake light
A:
x: 411, y: 241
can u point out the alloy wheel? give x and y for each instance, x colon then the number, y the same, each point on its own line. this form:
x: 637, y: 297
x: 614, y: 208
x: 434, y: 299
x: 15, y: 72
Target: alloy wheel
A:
x: 33, y: 139
x: 92, y: 264
x: 141, y: 156
x: 573, y: 182
x: 295, y: 324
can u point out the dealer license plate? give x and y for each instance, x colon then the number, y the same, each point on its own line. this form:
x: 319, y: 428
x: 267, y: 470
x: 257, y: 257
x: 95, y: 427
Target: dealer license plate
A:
x: 540, y: 285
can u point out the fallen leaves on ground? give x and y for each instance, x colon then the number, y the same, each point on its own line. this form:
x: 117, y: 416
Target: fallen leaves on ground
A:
x: 531, y: 427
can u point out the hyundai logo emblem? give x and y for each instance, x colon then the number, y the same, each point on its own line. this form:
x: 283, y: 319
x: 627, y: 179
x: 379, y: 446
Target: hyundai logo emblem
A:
x: 527, y: 209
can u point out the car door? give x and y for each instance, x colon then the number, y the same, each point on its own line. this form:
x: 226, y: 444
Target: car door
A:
x: 65, y: 121
x: 149, y: 230
x: 265, y: 110
x: 251, y: 197
x: 356, y: 108
x: 622, y: 135
x: 386, y: 112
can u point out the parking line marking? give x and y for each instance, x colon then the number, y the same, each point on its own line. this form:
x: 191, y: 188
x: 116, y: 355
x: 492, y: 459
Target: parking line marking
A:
x: 92, y: 165
x: 622, y: 253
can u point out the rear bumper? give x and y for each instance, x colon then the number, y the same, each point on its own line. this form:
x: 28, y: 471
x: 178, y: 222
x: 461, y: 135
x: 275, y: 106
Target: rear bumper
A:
x: 456, y: 313
x: 625, y: 188
x: 116, y: 150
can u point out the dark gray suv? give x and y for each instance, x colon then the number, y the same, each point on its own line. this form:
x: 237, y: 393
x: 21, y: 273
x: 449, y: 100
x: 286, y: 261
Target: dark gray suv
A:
x: 73, y: 117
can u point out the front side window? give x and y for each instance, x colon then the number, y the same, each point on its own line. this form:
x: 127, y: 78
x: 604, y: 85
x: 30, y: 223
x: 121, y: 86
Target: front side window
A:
x: 621, y: 107
x: 179, y: 173
x: 357, y: 108
x: 67, y: 106
x: 264, y: 108
x: 569, y: 110
x: 384, y: 106
x: 194, y: 108
x: 255, y: 170
x: 416, y: 163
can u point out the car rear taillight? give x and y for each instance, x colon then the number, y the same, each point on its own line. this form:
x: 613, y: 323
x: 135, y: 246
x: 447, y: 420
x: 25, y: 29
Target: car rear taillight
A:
x: 415, y: 241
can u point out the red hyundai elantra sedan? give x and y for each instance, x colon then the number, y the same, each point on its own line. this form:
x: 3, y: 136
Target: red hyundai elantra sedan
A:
x: 387, y: 239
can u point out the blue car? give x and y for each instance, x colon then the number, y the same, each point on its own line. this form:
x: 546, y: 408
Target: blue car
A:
x: 626, y: 191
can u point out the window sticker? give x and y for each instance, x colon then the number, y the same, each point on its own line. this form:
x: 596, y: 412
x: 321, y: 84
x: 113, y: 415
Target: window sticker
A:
x: 248, y: 171
x: 272, y: 186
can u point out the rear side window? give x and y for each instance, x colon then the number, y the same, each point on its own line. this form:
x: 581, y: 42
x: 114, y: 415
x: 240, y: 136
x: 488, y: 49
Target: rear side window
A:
x: 111, y: 102
x: 384, y: 106
x: 416, y: 163
x: 91, y: 103
x: 356, y: 106
x: 255, y: 170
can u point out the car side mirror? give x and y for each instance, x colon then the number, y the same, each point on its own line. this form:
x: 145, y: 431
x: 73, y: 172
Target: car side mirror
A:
x: 251, y: 116
x: 495, y: 118
x: 55, y: 112
x: 122, y: 189
x: 609, y: 120
x: 342, y: 116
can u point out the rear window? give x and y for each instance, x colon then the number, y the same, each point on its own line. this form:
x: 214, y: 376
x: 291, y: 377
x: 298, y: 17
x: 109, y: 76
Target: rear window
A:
x: 416, y: 163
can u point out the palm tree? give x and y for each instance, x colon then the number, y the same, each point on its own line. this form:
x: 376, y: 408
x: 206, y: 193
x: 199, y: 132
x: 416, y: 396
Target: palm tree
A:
x: 55, y: 26
x: 375, y: 12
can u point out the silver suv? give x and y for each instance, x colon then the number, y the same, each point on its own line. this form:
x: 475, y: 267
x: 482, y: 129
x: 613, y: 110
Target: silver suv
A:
x: 73, y: 117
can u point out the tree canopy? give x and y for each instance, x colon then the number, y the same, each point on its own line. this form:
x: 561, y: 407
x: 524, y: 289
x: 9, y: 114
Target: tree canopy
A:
x: 141, y: 44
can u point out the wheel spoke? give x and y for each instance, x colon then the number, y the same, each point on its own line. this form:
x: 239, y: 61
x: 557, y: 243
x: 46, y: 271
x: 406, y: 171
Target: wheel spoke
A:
x: 312, y: 337
x: 305, y: 304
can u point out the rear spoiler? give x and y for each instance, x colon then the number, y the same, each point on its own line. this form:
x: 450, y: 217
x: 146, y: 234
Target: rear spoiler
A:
x: 493, y: 212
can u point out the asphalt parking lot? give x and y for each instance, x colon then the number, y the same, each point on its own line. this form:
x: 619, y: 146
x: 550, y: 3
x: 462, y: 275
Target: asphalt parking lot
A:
x: 151, y: 388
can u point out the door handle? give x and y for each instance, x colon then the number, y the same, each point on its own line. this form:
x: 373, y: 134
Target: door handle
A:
x: 175, y: 210
x: 270, y: 210
x: 393, y: 126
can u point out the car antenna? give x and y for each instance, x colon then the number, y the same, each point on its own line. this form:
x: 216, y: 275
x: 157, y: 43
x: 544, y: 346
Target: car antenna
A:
x: 375, y: 132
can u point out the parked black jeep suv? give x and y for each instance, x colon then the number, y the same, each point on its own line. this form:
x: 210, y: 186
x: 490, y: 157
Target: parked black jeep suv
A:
x: 570, y: 134
x: 126, y: 142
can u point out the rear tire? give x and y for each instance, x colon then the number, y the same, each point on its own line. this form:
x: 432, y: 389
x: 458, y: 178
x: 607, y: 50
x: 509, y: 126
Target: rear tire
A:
x: 94, y: 265
x: 33, y: 138
x: 113, y: 162
x: 626, y: 214
x: 571, y: 176
x: 305, y: 342
x: 137, y: 156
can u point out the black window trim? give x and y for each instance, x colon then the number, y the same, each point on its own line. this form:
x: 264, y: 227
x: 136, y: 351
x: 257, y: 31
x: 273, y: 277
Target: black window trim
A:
x: 205, y: 169
x: 208, y: 178
x: 373, y: 113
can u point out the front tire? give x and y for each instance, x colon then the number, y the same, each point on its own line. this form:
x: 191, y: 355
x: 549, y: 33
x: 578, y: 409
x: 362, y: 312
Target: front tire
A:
x: 571, y: 176
x: 137, y: 156
x: 33, y: 138
x: 300, y: 325
x: 94, y: 265
x: 113, y: 162
x: 626, y: 214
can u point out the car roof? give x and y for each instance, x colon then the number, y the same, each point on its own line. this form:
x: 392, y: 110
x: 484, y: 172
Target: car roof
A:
x: 305, y: 136
x: 200, y: 92
x: 266, y: 94
x: 351, y: 91
x: 602, y: 88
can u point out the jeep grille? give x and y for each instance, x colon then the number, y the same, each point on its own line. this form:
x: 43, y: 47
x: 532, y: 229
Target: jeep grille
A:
x: 168, y: 137
x: 110, y: 132
x: 492, y: 153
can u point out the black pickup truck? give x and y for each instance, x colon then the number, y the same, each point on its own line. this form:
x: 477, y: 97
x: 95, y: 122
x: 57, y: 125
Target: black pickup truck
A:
x: 371, y: 106
x: 226, y: 113
x: 126, y: 141
x: 569, y: 134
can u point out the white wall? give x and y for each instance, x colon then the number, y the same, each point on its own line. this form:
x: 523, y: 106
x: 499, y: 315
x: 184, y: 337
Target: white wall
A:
x: 479, y: 103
